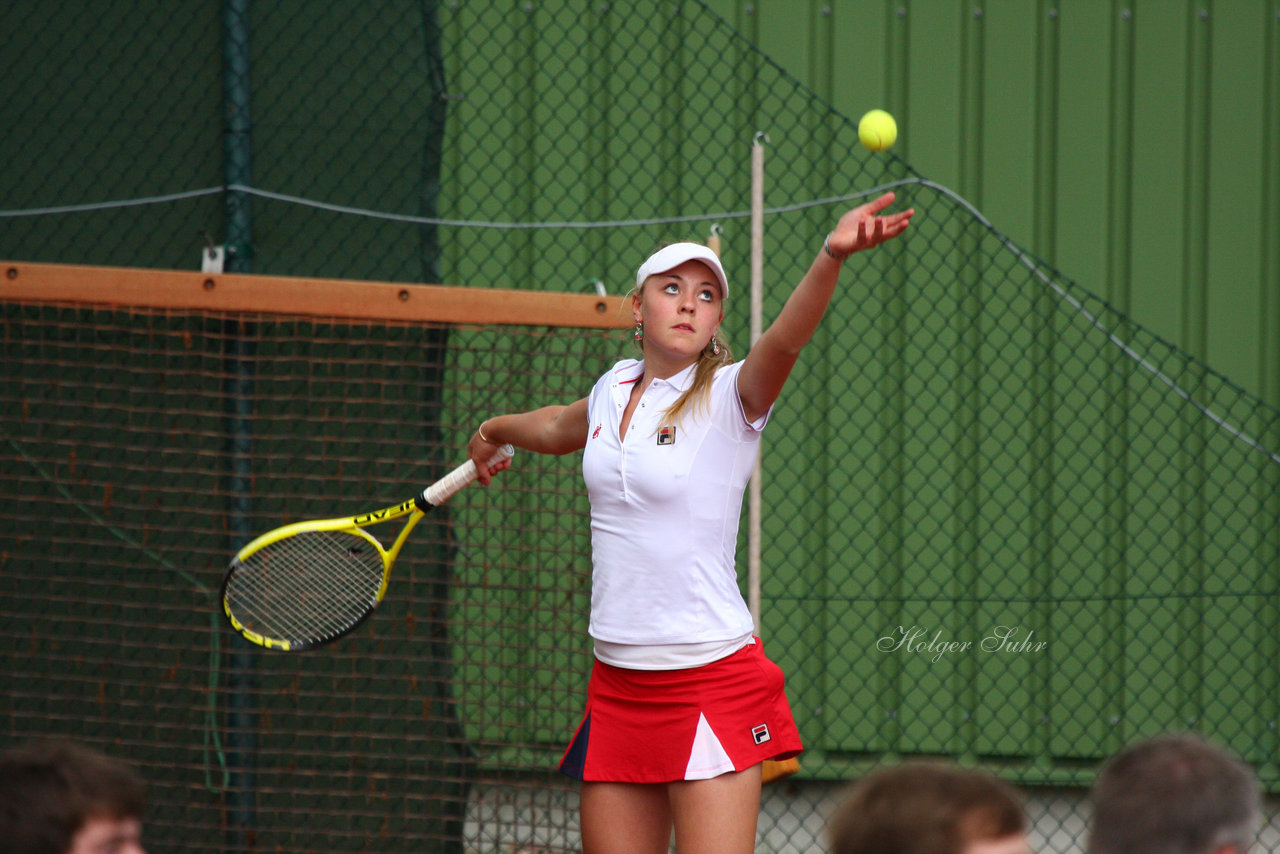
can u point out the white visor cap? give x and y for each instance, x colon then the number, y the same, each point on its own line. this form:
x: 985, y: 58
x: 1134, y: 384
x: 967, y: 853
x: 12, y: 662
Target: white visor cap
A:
x: 670, y: 257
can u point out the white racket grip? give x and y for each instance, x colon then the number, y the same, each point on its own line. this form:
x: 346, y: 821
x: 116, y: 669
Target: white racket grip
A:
x: 444, y: 488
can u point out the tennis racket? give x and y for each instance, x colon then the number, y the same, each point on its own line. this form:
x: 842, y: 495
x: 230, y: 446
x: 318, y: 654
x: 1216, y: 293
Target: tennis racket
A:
x: 309, y: 583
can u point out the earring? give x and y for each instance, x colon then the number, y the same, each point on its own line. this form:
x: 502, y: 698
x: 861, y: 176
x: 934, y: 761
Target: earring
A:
x: 715, y: 346
x: 639, y: 333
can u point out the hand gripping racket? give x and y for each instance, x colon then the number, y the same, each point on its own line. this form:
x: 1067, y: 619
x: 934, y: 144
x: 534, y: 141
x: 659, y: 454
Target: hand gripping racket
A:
x: 310, y: 583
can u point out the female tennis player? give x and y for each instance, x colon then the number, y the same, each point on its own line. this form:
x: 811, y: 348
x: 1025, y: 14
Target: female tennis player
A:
x: 682, y: 704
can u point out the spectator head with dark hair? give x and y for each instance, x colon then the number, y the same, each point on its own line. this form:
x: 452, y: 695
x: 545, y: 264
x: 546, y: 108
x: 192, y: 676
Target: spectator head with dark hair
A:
x: 58, y: 797
x: 929, y: 808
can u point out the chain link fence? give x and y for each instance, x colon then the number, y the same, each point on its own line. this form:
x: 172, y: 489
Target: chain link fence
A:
x: 1002, y: 524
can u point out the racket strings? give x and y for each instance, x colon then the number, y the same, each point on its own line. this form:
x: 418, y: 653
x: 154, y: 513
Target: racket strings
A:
x: 308, y: 587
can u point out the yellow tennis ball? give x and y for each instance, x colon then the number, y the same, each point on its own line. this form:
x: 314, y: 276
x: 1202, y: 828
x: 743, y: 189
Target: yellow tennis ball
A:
x: 877, y: 130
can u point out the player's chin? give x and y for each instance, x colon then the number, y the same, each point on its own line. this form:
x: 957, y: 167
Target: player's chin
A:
x: 685, y: 344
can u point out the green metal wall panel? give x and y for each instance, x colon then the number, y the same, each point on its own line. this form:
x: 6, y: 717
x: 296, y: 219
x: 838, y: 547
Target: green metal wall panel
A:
x: 1236, y: 49
x: 1102, y: 48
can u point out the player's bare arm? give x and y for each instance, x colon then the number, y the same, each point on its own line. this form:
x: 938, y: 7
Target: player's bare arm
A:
x: 770, y: 361
x: 556, y: 430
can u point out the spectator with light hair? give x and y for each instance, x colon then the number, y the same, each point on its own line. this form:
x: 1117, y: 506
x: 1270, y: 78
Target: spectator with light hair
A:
x: 57, y: 797
x: 929, y: 808
x: 1175, y: 794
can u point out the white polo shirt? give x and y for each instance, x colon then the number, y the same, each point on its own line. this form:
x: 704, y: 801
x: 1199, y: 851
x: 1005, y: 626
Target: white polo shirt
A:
x: 665, y: 505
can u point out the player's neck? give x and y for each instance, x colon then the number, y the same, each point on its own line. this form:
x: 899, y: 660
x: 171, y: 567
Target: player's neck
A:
x: 662, y: 366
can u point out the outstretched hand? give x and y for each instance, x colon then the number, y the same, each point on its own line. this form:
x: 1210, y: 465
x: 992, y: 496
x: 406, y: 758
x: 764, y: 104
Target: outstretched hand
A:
x: 863, y: 227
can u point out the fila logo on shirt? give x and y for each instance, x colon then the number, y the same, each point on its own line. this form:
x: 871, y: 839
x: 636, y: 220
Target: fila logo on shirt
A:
x: 760, y: 733
x: 596, y: 432
x: 667, y: 436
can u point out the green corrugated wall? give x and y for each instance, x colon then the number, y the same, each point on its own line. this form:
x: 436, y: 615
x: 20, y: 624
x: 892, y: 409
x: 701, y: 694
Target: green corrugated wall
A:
x: 1132, y: 145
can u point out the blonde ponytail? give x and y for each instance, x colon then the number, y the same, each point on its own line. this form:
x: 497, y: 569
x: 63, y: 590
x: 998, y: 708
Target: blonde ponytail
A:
x: 695, y: 398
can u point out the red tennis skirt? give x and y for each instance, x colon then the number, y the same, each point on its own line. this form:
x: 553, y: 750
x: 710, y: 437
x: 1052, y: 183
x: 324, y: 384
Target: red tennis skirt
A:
x: 659, y: 726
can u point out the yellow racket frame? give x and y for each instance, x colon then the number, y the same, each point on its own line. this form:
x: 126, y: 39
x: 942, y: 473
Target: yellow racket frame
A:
x: 350, y: 525
x: 432, y: 496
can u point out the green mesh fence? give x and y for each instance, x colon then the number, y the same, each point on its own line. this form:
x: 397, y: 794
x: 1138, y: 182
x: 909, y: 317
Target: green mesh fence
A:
x: 1002, y: 522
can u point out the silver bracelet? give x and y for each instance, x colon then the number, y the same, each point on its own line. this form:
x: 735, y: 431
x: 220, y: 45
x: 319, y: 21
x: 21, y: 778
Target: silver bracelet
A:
x: 826, y: 247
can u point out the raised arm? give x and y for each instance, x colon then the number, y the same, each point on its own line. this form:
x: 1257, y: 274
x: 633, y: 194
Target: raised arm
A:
x: 549, y: 430
x: 769, y: 363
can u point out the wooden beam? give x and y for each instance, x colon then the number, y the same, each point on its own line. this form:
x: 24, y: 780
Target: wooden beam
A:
x: 184, y: 290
